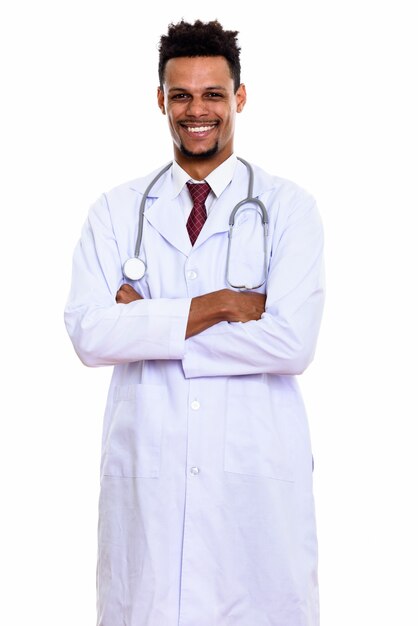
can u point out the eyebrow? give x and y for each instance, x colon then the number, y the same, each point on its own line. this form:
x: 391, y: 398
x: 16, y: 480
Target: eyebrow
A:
x: 210, y: 88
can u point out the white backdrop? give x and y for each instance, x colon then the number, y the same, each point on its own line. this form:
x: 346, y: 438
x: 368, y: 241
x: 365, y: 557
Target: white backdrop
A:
x: 332, y: 104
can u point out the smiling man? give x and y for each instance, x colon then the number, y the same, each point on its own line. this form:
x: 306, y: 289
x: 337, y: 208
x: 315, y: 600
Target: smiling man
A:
x: 202, y: 285
x: 200, y: 99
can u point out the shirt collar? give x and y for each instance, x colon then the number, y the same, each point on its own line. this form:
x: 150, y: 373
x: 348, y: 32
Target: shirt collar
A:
x: 218, y: 179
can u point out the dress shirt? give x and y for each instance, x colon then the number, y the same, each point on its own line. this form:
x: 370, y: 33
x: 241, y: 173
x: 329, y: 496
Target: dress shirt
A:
x: 218, y: 180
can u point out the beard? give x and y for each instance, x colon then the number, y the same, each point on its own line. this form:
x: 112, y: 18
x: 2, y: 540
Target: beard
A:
x: 199, y: 155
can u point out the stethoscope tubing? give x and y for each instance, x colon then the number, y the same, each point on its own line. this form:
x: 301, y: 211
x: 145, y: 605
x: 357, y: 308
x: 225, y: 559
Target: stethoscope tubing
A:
x: 136, y: 261
x: 142, y: 208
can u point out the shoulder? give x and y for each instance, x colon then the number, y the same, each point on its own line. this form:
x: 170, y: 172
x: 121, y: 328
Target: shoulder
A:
x: 281, y: 196
x: 265, y: 182
x: 127, y: 196
x: 137, y: 186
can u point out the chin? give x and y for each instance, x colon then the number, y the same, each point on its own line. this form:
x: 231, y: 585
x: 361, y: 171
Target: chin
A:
x: 207, y: 154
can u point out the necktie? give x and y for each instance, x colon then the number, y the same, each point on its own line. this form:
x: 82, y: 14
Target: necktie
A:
x: 197, y: 217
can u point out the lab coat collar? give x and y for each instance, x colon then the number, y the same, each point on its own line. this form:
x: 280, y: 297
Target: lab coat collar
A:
x: 165, y: 215
x: 262, y: 181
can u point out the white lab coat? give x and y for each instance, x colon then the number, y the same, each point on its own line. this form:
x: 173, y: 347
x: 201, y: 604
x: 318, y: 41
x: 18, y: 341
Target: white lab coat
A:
x: 206, y: 509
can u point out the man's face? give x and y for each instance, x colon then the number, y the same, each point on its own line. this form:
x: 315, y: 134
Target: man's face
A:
x: 198, y: 98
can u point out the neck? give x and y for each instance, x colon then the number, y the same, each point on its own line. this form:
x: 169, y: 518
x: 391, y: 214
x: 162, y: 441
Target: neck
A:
x: 197, y: 168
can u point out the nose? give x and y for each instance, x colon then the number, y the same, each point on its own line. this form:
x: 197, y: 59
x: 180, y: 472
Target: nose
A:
x: 197, y: 107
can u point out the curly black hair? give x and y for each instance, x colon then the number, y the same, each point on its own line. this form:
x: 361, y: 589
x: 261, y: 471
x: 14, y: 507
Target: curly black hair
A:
x: 200, y: 39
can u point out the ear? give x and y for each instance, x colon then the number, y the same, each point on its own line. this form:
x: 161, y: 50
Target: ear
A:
x: 241, y: 97
x: 160, y: 100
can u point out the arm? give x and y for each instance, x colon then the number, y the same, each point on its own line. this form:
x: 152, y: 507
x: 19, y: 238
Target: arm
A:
x: 283, y: 341
x: 211, y: 308
x: 103, y: 331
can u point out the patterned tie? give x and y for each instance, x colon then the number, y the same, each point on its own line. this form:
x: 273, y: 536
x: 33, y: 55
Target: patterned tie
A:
x: 197, y: 217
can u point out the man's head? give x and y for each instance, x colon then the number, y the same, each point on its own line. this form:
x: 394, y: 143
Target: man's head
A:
x: 203, y: 40
x: 200, y: 92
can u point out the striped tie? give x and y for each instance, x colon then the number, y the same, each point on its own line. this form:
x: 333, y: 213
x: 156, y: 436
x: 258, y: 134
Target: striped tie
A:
x: 197, y: 217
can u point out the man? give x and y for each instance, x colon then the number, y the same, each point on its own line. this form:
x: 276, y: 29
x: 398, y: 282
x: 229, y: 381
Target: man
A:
x: 206, y: 507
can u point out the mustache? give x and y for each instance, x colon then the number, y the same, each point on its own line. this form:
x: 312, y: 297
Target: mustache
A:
x: 195, y: 122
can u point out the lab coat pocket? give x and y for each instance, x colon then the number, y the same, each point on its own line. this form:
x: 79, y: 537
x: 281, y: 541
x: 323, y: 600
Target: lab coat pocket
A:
x: 246, y: 265
x: 132, y: 446
x: 259, y: 435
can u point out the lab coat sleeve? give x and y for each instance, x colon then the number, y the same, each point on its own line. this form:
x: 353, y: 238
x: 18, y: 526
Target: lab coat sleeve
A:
x: 106, y: 333
x: 283, y: 341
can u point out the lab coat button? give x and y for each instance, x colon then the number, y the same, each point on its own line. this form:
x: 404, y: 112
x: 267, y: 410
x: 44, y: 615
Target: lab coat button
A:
x: 195, y: 405
x: 194, y: 471
x: 191, y: 274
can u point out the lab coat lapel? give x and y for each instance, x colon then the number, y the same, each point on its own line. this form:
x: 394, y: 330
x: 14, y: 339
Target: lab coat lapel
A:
x: 164, y: 214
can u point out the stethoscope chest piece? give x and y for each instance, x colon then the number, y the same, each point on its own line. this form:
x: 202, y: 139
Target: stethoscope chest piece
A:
x: 134, y: 268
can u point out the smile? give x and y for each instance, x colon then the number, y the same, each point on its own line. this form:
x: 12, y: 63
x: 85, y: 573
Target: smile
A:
x: 199, y: 129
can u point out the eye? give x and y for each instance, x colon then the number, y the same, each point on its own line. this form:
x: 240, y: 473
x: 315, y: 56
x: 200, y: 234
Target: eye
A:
x: 180, y: 96
x: 213, y: 95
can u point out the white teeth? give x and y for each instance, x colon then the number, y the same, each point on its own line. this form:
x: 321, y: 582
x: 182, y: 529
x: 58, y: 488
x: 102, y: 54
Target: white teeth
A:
x: 199, y: 129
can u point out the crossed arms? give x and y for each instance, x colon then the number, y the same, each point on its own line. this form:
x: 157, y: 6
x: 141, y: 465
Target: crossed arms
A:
x: 205, y: 311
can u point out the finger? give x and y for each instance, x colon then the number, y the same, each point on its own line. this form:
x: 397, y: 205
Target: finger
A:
x: 126, y: 287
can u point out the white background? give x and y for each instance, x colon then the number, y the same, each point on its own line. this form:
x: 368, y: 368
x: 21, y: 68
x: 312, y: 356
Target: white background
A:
x: 332, y: 104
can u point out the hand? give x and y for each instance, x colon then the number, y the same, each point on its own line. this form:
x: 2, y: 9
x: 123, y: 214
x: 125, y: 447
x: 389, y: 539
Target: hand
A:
x: 126, y: 294
x: 243, y: 306
x: 224, y: 305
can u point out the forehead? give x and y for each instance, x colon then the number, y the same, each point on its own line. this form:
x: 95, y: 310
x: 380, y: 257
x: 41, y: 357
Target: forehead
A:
x: 197, y: 72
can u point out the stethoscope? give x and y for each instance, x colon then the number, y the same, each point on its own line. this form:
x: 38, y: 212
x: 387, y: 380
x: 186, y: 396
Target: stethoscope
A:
x: 135, y: 268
